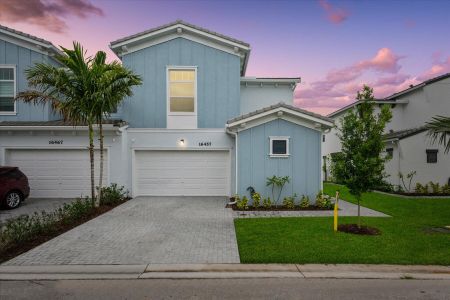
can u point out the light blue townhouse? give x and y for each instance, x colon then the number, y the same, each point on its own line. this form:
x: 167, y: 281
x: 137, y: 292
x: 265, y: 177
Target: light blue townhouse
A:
x: 197, y: 126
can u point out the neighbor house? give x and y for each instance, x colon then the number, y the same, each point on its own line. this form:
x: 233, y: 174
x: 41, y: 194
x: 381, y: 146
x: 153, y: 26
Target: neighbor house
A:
x: 197, y: 126
x: 405, y: 136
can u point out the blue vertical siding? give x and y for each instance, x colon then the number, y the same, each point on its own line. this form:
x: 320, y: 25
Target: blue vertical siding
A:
x: 24, y: 58
x: 302, y: 166
x: 218, y: 83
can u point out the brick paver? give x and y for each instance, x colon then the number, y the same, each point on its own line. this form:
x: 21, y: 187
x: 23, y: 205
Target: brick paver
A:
x: 146, y: 230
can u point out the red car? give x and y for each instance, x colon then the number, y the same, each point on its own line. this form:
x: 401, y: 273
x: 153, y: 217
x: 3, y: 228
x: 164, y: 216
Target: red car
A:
x: 14, y: 187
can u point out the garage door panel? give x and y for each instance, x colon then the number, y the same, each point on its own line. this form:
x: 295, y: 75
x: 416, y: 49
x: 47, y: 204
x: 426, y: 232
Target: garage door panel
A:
x: 189, y: 173
x: 57, y: 173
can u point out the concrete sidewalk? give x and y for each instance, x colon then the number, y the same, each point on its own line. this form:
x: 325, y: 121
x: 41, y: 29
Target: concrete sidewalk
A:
x: 229, y: 271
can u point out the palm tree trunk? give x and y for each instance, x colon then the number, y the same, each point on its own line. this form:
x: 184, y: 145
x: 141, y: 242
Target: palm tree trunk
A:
x: 100, y: 181
x: 91, y: 158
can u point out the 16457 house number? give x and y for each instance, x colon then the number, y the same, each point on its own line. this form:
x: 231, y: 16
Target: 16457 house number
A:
x: 204, y: 144
x: 55, y: 142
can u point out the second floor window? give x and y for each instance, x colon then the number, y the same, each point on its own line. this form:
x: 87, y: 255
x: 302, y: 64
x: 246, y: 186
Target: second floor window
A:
x: 432, y: 156
x: 7, y: 89
x: 182, y: 91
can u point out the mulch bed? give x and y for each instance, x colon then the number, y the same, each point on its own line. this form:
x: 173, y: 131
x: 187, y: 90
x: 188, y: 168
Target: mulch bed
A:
x: 297, y: 208
x: 15, y: 250
x: 353, y: 228
x: 414, y: 194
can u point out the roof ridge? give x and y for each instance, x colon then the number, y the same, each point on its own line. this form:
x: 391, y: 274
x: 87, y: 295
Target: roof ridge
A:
x: 179, y: 21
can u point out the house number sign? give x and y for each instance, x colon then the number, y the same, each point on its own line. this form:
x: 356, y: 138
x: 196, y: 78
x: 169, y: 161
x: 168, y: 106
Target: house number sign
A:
x: 204, y: 144
x: 55, y: 142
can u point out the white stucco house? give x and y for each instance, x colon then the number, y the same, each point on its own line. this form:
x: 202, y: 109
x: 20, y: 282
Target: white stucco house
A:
x: 197, y: 126
x: 406, y: 139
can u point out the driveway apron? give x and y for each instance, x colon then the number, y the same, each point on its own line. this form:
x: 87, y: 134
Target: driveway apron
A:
x: 178, y: 230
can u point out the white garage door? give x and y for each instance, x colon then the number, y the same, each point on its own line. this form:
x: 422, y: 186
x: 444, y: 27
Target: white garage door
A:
x: 182, y: 173
x: 57, y: 173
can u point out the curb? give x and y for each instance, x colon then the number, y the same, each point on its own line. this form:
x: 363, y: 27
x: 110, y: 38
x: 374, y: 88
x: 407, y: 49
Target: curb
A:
x: 222, y: 271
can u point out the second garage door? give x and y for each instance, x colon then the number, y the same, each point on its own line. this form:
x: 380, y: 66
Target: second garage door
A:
x: 62, y: 173
x: 182, y: 173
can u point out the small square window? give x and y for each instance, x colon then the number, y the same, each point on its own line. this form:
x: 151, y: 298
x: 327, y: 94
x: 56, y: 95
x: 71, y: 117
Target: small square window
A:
x: 432, y: 156
x: 279, y: 146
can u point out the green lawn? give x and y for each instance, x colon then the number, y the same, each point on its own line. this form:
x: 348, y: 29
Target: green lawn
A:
x: 404, y: 239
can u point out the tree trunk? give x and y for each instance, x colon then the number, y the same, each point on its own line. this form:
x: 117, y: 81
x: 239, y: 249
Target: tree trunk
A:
x: 100, y: 181
x: 359, y: 211
x: 91, y: 159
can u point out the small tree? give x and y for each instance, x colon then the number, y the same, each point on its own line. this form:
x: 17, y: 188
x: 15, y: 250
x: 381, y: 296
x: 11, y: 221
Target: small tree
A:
x: 277, y: 181
x: 361, y: 134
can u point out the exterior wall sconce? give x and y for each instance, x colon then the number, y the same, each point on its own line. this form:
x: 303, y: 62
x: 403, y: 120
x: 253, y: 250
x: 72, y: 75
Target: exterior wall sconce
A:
x: 182, y: 142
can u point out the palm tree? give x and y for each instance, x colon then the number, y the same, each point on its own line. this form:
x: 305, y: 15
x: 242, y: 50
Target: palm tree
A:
x: 113, y: 83
x: 69, y: 89
x: 439, y: 130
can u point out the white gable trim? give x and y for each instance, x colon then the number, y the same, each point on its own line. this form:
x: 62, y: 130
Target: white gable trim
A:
x: 126, y: 49
x: 283, y: 113
x: 269, y: 118
x: 28, y: 43
x: 184, y: 30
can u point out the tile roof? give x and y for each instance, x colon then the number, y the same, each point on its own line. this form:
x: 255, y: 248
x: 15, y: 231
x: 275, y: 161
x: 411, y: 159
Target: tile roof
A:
x: 26, y: 35
x: 279, y: 105
x: 401, y: 134
x: 180, y: 22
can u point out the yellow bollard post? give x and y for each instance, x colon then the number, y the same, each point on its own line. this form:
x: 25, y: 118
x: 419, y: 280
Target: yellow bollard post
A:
x: 336, y: 212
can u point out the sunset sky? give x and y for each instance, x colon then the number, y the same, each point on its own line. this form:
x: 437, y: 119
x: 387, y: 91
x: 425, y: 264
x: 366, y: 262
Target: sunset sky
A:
x: 334, y: 46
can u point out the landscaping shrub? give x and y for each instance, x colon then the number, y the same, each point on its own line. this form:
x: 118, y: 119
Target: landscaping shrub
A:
x: 113, y: 194
x: 242, y: 203
x: 435, y: 187
x: 445, y: 189
x: 289, y: 202
x: 304, y: 203
x: 256, y: 197
x: 323, y: 201
x: 421, y: 189
x: 267, y: 203
x: 26, y: 227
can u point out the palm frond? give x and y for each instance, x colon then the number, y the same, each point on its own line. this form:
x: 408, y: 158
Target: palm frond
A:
x: 439, y: 131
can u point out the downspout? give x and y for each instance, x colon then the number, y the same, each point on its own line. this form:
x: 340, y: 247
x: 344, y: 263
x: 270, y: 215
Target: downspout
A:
x: 122, y: 131
x: 235, y: 135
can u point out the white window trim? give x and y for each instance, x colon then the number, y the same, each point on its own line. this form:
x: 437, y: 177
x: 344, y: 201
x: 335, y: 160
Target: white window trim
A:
x: 11, y: 113
x: 283, y: 138
x: 191, y: 68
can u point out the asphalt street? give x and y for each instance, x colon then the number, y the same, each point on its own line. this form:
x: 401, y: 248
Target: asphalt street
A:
x: 287, y: 288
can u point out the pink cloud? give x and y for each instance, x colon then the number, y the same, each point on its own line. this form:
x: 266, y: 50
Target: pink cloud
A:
x: 334, y: 14
x: 46, y: 14
x: 439, y: 67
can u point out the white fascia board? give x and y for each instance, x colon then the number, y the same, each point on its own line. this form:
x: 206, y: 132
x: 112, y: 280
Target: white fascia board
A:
x: 298, y: 115
x: 270, y: 80
x: 186, y: 30
x: 54, y: 128
x: 167, y: 130
x: 28, y: 43
x: 345, y: 108
x: 274, y: 117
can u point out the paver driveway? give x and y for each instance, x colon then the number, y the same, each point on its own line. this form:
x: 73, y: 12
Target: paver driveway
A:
x: 146, y: 230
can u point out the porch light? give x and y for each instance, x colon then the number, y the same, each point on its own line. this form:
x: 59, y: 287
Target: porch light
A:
x: 181, y: 142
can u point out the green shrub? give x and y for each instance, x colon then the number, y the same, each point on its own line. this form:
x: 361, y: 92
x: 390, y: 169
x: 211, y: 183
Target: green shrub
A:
x: 304, y: 203
x: 26, y: 227
x: 242, y: 204
x: 445, y: 189
x: 435, y: 187
x: 113, y: 194
x: 267, y: 203
x: 289, y: 202
x: 323, y: 201
x: 256, y: 197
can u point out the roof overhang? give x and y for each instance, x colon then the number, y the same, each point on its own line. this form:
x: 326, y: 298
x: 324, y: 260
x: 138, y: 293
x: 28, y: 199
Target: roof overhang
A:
x: 181, y: 29
x: 280, y: 112
x: 351, y: 105
x: 26, y: 41
x: 106, y: 127
x: 255, y: 81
